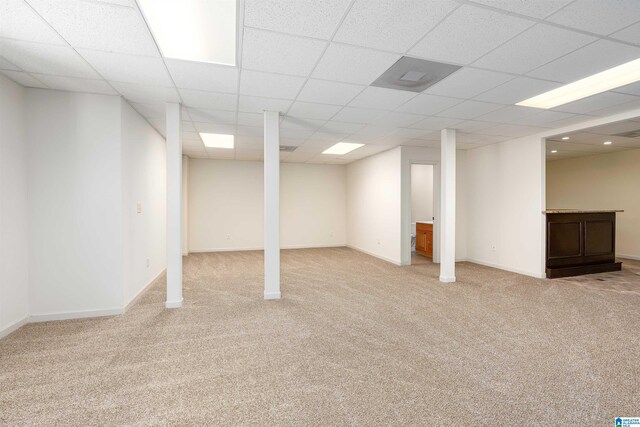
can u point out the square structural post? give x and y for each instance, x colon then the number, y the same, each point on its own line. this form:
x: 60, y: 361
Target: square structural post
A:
x: 448, y: 206
x: 271, y: 205
x: 174, y: 206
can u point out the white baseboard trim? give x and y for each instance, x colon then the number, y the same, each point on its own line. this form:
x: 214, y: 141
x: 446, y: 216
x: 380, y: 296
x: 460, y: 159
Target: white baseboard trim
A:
x: 633, y: 257
x: 260, y: 248
x: 14, y: 326
x: 447, y: 279
x: 272, y: 295
x: 68, y: 315
x: 502, y: 267
x: 141, y: 292
x: 375, y: 255
x: 173, y: 304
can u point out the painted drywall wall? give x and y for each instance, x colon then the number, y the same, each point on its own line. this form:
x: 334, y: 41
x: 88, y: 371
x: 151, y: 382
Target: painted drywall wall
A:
x: 421, y: 193
x: 225, y: 205
x: 373, y: 205
x: 143, y: 202
x: 505, y: 200
x: 75, y: 202
x: 604, y: 181
x: 185, y: 205
x: 14, y: 303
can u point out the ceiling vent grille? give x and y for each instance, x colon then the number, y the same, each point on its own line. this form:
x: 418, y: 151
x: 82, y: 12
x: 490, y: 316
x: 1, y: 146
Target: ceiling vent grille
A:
x: 288, y: 148
x: 414, y: 75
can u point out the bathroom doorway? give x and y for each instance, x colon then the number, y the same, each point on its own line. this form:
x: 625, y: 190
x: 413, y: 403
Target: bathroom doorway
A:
x: 422, y: 214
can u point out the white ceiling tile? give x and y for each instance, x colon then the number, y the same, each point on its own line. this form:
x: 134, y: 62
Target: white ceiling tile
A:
x: 6, y: 65
x: 334, y: 126
x: 19, y: 21
x: 546, y: 118
x: 254, y: 131
x: 209, y: 100
x: 280, y: 53
x: 353, y: 64
x: 586, y: 61
x: 508, y: 114
x: 596, y: 102
x: 357, y: 115
x: 212, y: 116
x: 308, y: 110
x: 223, y: 128
x: 468, y: 82
x: 435, y: 123
x: 250, y: 119
x: 302, y: 124
x: 99, y: 26
x: 74, y: 84
x: 617, y: 107
x: 514, y: 131
x: 220, y: 153
x: 382, y: 98
x: 269, y: 85
x: 630, y: 34
x: 391, y: 118
x: 428, y: 104
x: 469, y: 109
x: 310, y: 18
x: 535, y: 47
x: 535, y: 9
x: 299, y: 157
x: 391, y: 25
x: 327, y: 136
x: 202, y: 76
x: 146, y: 93
x: 325, y: 92
x: 295, y: 133
x: 467, y: 34
x: 253, y: 142
x: 517, y: 90
x: 187, y: 126
x: 128, y: 68
x: 151, y: 111
x: 248, y: 155
x: 23, y: 78
x: 475, y: 125
x: 46, y: 59
x: 600, y: 17
x: 254, y: 104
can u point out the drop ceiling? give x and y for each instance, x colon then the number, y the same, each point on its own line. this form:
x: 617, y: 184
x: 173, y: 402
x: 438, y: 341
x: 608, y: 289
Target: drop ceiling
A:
x: 623, y: 135
x: 314, y: 61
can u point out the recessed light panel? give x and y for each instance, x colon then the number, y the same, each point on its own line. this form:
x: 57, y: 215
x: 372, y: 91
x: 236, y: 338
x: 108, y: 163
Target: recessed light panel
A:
x: 342, y: 148
x: 612, y: 78
x: 193, y: 30
x: 217, y: 140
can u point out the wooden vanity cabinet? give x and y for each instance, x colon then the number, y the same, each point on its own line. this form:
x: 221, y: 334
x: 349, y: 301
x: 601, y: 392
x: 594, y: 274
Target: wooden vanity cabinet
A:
x: 424, y: 239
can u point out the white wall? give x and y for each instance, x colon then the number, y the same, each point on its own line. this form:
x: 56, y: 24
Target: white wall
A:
x: 225, y: 205
x: 421, y: 193
x: 373, y: 205
x: 605, y: 181
x: 14, y: 276
x: 505, y: 200
x: 185, y: 205
x: 144, y: 187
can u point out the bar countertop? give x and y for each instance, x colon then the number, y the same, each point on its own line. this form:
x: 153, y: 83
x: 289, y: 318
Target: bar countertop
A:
x: 579, y: 211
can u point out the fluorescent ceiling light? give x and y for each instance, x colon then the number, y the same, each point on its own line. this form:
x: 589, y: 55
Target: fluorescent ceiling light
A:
x: 194, y: 30
x: 606, y: 80
x: 217, y: 140
x: 342, y: 148
x: 607, y: 143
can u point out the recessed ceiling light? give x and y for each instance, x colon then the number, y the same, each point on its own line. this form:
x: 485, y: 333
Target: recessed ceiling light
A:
x: 601, y: 82
x: 342, y: 148
x: 565, y: 138
x: 607, y: 143
x: 194, y: 30
x: 554, y: 151
x: 217, y: 140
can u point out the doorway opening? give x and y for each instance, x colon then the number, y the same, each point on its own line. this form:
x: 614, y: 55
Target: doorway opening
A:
x: 422, y: 214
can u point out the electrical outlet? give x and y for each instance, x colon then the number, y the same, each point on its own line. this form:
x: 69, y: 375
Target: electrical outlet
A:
x: 139, y: 207
x: 493, y: 248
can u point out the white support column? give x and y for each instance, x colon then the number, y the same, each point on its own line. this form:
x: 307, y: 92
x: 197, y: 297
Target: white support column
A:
x: 174, y: 206
x: 271, y: 205
x: 448, y: 206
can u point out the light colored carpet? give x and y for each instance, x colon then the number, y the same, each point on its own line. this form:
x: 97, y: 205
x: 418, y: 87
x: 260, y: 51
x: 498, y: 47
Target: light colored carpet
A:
x: 354, y: 341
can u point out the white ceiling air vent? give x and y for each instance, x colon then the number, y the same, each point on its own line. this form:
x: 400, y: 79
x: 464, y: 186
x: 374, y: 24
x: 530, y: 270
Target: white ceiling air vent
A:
x: 414, y: 75
x: 288, y: 148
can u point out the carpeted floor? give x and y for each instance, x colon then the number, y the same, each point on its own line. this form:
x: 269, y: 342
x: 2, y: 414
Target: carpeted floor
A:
x: 354, y: 341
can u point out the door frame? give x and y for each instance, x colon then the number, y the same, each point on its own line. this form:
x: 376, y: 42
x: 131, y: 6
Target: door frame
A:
x: 436, y: 209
